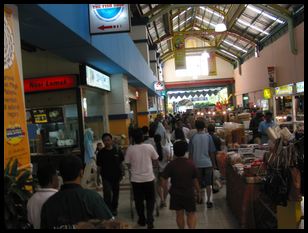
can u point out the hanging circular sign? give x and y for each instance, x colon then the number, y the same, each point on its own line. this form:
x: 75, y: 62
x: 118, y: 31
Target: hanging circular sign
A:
x: 108, y: 12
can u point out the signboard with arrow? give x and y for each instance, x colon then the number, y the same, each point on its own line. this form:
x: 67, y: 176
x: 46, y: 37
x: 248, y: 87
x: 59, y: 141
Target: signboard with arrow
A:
x: 109, y: 18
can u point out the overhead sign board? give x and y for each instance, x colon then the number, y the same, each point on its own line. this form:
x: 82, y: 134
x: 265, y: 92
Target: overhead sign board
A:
x: 300, y: 87
x: 97, y: 79
x: 49, y: 83
x: 284, y: 90
x: 109, y: 18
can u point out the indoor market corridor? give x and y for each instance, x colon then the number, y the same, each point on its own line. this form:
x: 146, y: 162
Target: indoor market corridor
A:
x: 218, y: 217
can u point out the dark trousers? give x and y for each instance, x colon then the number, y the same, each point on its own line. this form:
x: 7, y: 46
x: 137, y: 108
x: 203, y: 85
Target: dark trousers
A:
x: 144, y: 192
x: 111, y: 193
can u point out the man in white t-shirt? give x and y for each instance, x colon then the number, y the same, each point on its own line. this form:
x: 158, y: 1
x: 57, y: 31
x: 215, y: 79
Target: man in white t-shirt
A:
x: 139, y: 157
x: 49, y: 184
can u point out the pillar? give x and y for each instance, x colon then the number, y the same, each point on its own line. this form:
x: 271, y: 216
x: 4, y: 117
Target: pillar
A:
x: 143, y: 108
x: 118, y: 106
x: 139, y: 35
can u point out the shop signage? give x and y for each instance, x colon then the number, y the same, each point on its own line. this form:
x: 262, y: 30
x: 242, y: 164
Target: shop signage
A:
x: 16, y: 142
x: 179, y: 51
x: 267, y: 93
x: 49, y: 83
x: 108, y: 18
x: 271, y: 70
x: 159, y: 86
x: 300, y: 87
x: 97, y: 79
x: 284, y: 90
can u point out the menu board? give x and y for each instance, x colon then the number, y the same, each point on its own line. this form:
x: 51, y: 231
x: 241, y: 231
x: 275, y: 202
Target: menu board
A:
x: 39, y: 116
x: 55, y: 115
x: 43, y: 116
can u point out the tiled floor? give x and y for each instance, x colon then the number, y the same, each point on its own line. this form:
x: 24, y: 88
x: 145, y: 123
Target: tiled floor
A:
x: 218, y: 217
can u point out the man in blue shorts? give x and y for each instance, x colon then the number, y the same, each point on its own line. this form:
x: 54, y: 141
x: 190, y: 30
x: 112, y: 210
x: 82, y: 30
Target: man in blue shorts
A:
x: 202, y: 152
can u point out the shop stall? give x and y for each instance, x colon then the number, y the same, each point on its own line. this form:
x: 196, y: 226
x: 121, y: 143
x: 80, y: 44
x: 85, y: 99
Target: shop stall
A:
x: 288, y: 105
x: 59, y: 109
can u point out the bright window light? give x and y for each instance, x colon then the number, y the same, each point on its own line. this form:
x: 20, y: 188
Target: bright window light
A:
x: 213, y: 12
x: 197, y: 17
x: 183, y: 12
x: 195, y: 66
x: 254, y: 27
x: 263, y: 13
x: 182, y: 22
x: 237, y: 47
x: 222, y: 50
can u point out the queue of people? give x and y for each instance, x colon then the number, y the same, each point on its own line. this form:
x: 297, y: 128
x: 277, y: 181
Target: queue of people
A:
x: 171, y: 156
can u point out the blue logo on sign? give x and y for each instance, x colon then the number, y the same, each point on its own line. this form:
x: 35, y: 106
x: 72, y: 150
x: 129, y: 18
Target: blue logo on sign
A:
x: 108, y: 13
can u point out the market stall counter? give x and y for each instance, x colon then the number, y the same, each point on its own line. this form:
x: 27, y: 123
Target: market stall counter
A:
x: 244, y: 190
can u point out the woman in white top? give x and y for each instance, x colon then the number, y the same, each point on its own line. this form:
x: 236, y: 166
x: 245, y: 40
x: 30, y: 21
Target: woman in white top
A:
x: 163, y: 159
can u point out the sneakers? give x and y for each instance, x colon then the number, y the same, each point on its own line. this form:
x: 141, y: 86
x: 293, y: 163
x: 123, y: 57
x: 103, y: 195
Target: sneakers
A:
x: 209, y: 204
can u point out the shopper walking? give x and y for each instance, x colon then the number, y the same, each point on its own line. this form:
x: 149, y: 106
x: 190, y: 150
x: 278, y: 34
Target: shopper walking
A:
x: 139, y: 159
x: 109, y: 162
x: 72, y: 204
x: 184, y: 182
x: 217, y: 142
x: 254, y: 126
x: 264, y: 125
x: 201, y: 151
x: 163, y: 159
x: 49, y: 184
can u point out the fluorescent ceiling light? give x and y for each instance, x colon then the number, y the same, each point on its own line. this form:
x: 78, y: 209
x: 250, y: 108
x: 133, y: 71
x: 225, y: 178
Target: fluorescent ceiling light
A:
x: 235, y: 46
x: 196, y: 28
x: 221, y: 27
x: 263, y: 13
x: 222, y: 50
x: 254, y: 27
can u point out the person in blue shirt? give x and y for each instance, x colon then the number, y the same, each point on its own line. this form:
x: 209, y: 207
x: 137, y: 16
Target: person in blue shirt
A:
x: 202, y: 152
x: 264, y: 125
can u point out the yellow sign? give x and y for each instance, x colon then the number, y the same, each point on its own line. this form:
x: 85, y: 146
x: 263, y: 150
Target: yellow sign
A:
x: 16, y: 142
x: 267, y: 93
x: 212, y: 64
x: 179, y: 51
x: 284, y: 90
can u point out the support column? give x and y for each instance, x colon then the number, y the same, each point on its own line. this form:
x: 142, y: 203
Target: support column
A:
x: 143, y: 108
x: 118, y: 103
x: 139, y: 35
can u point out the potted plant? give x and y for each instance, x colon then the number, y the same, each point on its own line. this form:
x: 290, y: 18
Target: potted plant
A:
x: 16, y: 196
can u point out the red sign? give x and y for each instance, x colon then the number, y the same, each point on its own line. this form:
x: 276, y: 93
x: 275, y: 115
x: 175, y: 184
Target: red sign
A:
x: 49, y: 83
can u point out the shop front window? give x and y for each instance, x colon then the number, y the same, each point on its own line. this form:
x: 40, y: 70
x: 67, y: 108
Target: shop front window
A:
x: 53, y: 130
x: 94, y: 118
